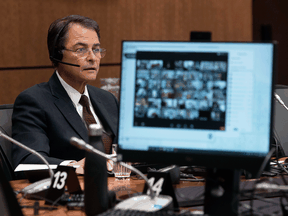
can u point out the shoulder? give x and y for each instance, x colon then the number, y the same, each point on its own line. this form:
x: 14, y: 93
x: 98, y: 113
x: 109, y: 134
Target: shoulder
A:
x: 96, y: 90
x: 36, y: 89
x: 99, y: 92
x: 102, y: 95
x: 37, y: 92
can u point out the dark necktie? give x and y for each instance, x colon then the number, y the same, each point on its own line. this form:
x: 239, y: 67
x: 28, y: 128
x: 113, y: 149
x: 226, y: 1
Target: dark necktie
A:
x: 89, y: 119
x: 87, y: 114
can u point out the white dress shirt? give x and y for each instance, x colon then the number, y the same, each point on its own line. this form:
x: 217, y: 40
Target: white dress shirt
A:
x: 75, y: 98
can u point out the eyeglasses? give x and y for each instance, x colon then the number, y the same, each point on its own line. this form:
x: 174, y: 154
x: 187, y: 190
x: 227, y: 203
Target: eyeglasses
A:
x: 84, y: 51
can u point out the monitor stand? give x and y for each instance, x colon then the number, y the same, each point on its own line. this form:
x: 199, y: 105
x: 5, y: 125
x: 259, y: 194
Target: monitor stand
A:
x: 222, y: 192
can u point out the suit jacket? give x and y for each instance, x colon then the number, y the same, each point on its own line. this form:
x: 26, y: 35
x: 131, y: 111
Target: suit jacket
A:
x: 44, y: 119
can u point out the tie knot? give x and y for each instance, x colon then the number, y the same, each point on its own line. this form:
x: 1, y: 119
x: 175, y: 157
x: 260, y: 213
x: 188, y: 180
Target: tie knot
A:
x: 84, y: 101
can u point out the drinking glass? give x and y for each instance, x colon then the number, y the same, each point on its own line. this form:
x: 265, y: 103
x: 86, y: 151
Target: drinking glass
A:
x: 120, y: 172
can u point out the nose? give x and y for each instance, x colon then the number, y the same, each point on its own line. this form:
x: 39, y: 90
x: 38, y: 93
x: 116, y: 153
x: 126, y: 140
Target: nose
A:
x: 93, y: 57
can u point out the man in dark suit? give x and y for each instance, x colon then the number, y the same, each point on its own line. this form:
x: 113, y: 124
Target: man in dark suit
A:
x: 47, y: 115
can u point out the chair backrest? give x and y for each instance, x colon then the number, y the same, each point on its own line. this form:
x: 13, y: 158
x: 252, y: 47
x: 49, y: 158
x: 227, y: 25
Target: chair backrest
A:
x: 5, y: 145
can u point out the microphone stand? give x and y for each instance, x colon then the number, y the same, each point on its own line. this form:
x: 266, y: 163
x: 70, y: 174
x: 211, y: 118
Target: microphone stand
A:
x: 30, y: 150
x: 148, y: 203
x: 82, y: 145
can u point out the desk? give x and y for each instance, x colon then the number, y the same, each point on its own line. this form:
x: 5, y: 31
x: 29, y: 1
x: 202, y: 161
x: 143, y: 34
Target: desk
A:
x: 123, y: 189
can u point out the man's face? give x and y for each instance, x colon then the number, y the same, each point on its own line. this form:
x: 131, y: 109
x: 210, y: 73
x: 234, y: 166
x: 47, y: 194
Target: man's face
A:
x: 79, y: 37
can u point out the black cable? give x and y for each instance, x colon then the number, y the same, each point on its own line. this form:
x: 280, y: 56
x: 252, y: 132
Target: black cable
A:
x: 253, y: 194
x: 258, y: 197
x: 283, y: 168
x: 284, y: 194
x: 276, y: 142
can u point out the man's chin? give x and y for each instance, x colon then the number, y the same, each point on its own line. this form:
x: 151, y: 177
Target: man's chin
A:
x: 91, y: 76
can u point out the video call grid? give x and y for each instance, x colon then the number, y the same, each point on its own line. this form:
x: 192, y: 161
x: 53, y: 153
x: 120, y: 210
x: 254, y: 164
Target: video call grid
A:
x: 183, y: 90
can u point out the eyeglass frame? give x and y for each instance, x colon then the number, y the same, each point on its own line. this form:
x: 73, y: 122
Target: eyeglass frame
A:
x: 102, y: 51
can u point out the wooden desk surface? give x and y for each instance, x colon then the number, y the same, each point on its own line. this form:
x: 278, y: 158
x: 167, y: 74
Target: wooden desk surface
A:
x: 123, y: 189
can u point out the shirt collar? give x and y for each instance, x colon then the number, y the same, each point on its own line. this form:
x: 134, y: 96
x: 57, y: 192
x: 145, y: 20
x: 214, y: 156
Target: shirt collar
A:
x: 73, y: 93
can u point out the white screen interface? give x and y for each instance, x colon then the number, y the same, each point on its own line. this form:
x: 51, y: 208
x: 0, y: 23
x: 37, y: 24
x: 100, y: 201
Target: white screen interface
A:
x: 181, y: 96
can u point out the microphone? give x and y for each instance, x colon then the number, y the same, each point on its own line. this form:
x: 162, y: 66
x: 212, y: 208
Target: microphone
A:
x: 81, y: 144
x: 148, y: 203
x: 75, y: 65
x: 40, y: 186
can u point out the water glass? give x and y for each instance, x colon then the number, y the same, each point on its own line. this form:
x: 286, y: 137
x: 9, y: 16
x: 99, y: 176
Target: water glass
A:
x: 121, y: 171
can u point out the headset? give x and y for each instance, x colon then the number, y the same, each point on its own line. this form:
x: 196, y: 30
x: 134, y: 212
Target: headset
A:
x: 58, y: 55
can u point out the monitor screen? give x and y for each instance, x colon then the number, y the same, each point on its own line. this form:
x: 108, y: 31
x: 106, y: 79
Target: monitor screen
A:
x: 182, y: 101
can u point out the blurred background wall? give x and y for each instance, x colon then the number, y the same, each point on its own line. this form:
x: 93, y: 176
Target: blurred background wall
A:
x: 270, y: 22
x: 24, y: 59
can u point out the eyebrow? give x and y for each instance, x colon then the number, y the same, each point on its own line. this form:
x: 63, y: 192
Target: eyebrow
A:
x: 84, y: 44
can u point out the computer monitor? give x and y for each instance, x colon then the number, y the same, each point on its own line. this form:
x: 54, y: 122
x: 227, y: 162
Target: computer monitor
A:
x: 196, y: 103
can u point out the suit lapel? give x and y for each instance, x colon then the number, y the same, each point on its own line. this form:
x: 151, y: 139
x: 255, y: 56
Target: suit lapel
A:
x: 101, y: 111
x: 66, y: 107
